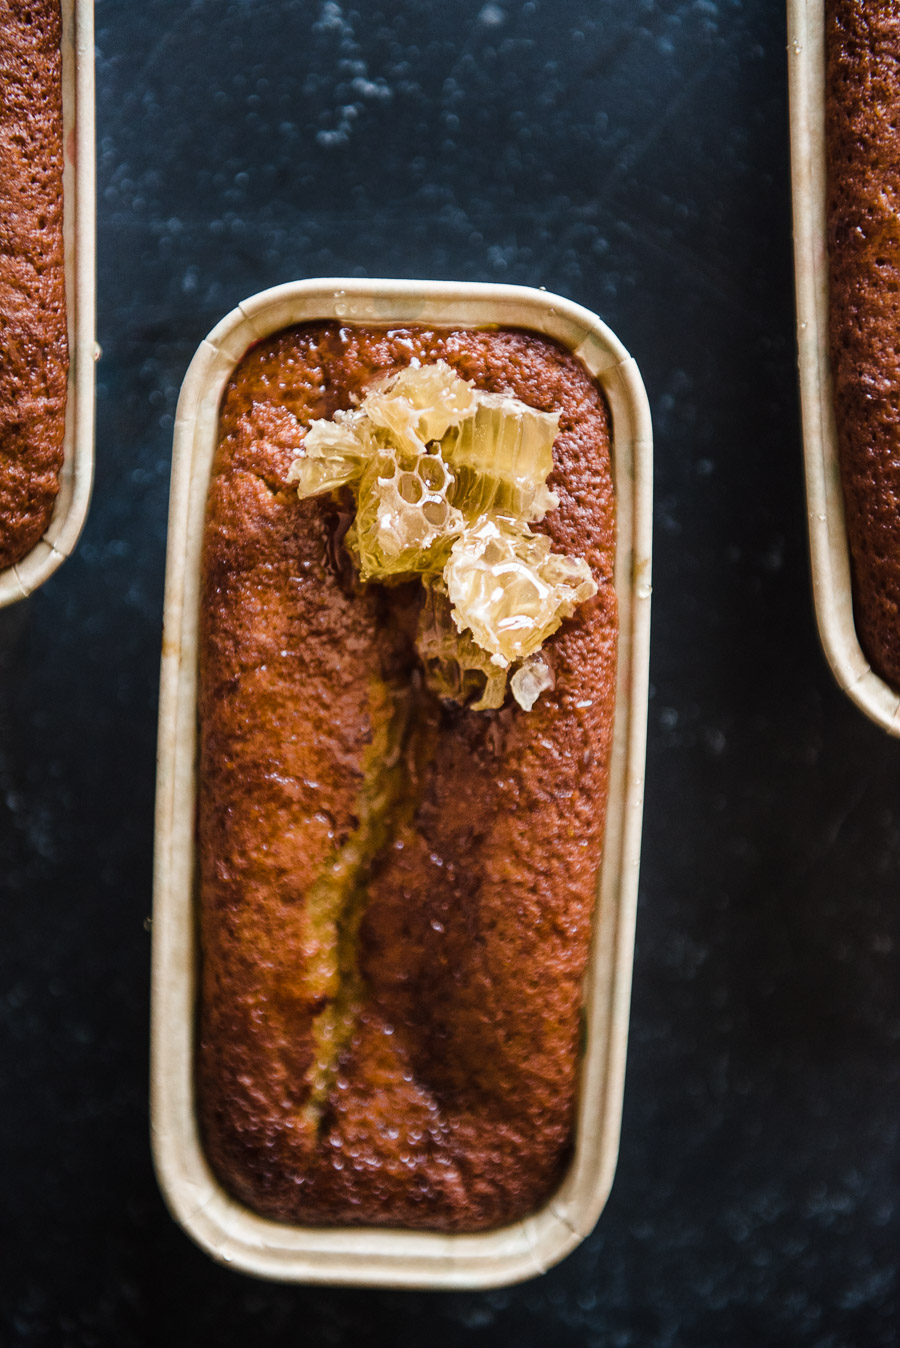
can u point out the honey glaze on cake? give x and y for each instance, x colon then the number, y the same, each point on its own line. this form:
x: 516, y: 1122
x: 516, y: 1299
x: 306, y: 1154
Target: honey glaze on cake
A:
x: 396, y: 892
x: 33, y: 343
x: 863, y: 146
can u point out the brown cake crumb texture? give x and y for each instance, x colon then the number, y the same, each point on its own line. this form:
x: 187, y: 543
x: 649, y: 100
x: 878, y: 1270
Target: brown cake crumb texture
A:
x: 396, y: 894
x: 863, y: 140
x: 33, y: 345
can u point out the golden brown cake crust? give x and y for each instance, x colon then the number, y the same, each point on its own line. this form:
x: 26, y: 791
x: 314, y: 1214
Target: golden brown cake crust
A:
x: 452, y: 1105
x: 863, y: 139
x: 33, y: 344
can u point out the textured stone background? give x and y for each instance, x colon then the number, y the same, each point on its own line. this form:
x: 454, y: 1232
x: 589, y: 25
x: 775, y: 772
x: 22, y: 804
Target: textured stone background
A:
x: 633, y: 156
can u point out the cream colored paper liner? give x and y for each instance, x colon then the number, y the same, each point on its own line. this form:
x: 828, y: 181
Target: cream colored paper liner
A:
x: 366, y: 1255
x: 828, y: 545
x: 70, y: 507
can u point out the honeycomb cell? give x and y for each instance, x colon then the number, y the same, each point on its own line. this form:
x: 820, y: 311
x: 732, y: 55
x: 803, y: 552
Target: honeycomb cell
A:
x: 410, y: 488
x: 434, y: 474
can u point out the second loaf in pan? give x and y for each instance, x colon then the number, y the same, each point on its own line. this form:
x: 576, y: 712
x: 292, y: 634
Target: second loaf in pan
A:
x: 863, y: 148
x: 33, y: 341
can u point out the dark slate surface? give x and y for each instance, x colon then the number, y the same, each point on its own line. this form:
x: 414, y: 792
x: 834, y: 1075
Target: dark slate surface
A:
x: 634, y: 157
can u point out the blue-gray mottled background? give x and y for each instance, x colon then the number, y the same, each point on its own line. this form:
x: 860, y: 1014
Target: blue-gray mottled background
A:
x: 632, y: 155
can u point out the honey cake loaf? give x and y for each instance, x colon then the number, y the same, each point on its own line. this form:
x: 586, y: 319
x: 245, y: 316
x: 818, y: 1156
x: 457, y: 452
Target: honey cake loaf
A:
x: 33, y: 341
x: 863, y: 164
x: 416, y: 877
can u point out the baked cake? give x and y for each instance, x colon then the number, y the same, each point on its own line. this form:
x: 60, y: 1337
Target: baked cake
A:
x: 33, y: 343
x: 863, y: 147
x: 440, y: 862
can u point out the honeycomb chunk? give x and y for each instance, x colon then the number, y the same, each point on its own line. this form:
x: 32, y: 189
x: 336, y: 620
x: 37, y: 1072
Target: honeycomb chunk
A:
x: 447, y: 479
x: 509, y: 590
x: 333, y: 453
x: 501, y: 456
x: 419, y: 404
x: 532, y: 678
x: 405, y: 524
x: 455, y: 665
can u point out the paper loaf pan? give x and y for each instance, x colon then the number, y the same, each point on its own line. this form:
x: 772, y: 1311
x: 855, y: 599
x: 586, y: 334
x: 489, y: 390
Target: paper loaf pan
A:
x: 70, y: 507
x: 828, y: 543
x: 366, y: 1255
